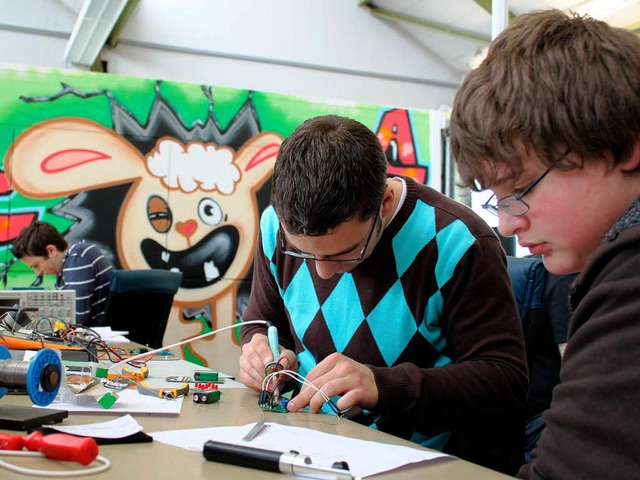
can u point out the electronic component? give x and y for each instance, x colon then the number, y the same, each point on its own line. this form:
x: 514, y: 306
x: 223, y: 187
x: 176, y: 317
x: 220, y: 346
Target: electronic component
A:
x: 206, y: 396
x: 205, y: 376
x: 108, y: 400
x: 118, y: 383
x: 16, y: 318
x: 53, y: 304
x: 114, y: 385
x: 272, y: 402
x: 199, y: 383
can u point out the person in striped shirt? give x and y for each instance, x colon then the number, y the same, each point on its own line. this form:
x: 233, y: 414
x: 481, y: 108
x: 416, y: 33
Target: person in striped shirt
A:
x: 81, y: 266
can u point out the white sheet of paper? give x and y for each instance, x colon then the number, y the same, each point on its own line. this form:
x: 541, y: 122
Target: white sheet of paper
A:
x: 28, y: 355
x: 116, y: 428
x: 365, y: 458
x: 111, y: 335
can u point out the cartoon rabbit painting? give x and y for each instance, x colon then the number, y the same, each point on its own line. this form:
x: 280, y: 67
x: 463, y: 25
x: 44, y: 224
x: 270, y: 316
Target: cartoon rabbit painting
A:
x: 191, y: 207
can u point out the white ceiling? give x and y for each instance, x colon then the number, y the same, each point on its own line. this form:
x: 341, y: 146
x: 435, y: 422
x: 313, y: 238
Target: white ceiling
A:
x: 458, y: 30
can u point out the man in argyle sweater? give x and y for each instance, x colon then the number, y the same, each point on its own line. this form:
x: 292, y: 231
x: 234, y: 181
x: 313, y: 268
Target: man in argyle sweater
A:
x: 388, y: 295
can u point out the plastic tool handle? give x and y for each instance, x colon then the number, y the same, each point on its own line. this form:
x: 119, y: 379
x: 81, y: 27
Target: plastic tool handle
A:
x: 11, y: 442
x: 272, y: 335
x: 242, y: 456
x: 61, y: 446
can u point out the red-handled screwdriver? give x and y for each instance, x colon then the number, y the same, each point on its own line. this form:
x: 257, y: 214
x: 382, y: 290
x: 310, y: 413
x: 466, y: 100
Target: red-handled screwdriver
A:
x: 58, y: 446
x: 61, y: 446
x: 11, y: 442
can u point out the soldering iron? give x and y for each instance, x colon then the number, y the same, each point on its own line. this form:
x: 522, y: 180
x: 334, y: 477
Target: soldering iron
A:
x: 272, y: 337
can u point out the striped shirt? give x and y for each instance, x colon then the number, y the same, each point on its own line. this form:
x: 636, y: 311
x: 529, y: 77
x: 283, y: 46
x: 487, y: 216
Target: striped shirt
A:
x: 86, y: 270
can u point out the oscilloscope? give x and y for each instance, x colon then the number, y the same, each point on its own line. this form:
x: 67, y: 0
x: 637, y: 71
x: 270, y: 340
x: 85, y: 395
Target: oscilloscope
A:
x: 53, y: 304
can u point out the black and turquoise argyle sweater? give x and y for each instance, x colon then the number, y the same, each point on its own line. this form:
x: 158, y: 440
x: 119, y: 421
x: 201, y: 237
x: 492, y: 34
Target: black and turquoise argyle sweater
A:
x: 430, y: 311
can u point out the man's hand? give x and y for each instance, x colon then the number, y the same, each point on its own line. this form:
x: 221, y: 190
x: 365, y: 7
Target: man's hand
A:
x: 255, y: 355
x: 338, y: 375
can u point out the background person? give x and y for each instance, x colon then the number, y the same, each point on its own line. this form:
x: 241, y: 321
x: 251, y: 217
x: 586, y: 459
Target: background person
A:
x: 548, y: 342
x: 81, y: 267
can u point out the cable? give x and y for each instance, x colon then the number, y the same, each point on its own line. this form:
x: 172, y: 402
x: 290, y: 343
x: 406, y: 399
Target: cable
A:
x: 106, y: 464
x: 189, y: 340
x: 302, y: 380
x: 296, y: 376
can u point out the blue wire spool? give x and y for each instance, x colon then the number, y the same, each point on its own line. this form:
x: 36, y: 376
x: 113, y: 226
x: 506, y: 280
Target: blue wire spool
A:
x: 41, y: 377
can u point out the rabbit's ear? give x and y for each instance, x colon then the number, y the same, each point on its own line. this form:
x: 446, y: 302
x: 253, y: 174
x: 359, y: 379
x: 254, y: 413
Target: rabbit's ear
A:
x: 64, y: 156
x: 257, y: 158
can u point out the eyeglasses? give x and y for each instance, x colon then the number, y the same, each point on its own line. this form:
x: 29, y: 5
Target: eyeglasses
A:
x: 514, y: 204
x: 307, y: 256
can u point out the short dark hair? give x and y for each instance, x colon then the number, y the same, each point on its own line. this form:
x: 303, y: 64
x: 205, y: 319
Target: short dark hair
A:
x: 33, y: 240
x: 329, y: 170
x: 551, y: 82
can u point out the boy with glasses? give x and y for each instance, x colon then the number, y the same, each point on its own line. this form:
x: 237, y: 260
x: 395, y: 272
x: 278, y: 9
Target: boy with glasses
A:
x: 556, y: 105
x: 388, y: 296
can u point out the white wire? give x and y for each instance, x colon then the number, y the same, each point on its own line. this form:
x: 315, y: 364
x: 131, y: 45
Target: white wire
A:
x: 291, y: 373
x: 188, y: 340
x: 106, y: 464
x: 296, y: 376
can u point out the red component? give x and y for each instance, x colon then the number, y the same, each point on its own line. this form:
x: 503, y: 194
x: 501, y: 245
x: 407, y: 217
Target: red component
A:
x: 206, y: 386
x: 61, y: 446
x: 11, y: 442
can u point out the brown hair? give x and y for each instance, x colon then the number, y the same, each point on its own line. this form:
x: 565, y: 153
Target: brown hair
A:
x: 34, y: 238
x: 329, y: 170
x: 551, y: 82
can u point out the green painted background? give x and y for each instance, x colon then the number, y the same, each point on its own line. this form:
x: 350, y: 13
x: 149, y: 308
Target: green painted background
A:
x: 275, y: 112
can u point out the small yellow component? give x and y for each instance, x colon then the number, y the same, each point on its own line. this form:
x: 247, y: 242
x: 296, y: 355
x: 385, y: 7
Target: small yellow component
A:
x: 59, y: 326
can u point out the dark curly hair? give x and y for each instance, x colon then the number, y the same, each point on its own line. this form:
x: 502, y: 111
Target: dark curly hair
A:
x: 329, y: 170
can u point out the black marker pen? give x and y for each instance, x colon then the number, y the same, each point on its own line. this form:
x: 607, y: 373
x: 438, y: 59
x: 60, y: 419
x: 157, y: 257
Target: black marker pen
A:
x: 281, y: 462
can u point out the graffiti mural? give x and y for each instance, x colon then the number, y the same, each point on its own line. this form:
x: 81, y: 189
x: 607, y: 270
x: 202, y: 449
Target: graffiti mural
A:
x: 163, y: 175
x: 395, y: 132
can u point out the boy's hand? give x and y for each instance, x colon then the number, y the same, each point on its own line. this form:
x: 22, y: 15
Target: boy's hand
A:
x: 255, y: 355
x: 338, y: 375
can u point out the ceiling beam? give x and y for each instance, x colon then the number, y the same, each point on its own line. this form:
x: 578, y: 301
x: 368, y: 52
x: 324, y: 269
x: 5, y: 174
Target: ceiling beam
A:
x: 382, y: 12
x: 487, y: 5
x: 112, y: 41
x: 94, y: 25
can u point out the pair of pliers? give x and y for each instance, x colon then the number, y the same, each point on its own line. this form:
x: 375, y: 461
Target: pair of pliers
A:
x: 161, y: 392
